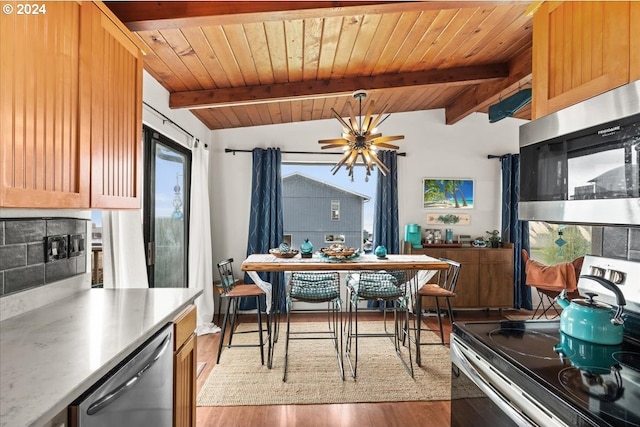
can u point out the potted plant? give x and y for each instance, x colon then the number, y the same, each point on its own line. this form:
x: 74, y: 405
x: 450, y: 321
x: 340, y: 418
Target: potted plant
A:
x: 494, y: 239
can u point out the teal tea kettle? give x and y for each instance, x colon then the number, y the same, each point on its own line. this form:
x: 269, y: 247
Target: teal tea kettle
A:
x: 591, y: 321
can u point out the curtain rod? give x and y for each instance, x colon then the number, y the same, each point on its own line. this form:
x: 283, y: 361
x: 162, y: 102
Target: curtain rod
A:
x: 167, y: 119
x: 494, y: 156
x: 234, y: 151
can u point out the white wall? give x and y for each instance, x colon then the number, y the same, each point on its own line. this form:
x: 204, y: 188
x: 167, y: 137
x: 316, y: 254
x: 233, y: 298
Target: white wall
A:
x: 433, y: 149
x: 157, y: 96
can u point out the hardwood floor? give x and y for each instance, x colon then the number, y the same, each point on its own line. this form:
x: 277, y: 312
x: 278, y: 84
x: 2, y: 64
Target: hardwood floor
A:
x: 401, y: 414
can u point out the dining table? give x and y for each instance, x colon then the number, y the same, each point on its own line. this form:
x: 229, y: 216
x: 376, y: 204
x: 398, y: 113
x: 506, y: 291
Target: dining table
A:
x: 412, y: 264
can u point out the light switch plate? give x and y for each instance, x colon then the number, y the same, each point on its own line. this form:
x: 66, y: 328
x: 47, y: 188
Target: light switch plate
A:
x: 56, y: 248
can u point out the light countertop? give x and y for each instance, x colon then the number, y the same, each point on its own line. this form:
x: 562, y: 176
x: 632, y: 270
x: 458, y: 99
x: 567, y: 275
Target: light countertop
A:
x: 49, y: 356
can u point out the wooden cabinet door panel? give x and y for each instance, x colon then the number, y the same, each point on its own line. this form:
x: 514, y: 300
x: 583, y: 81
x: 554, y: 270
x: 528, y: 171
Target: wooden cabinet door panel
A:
x: 496, y: 282
x: 496, y: 278
x: 184, y: 398
x: 116, y: 120
x: 580, y: 49
x: 44, y: 108
x: 467, y: 288
x: 634, y: 50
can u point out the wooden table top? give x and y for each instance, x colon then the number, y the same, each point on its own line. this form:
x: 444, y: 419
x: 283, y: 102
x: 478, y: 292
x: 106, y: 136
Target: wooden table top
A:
x: 268, y: 262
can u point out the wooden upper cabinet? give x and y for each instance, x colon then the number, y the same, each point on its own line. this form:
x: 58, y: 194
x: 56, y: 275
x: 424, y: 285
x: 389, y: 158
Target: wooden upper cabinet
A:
x: 580, y: 49
x: 44, y: 108
x: 634, y: 58
x: 70, y: 109
x: 116, y: 119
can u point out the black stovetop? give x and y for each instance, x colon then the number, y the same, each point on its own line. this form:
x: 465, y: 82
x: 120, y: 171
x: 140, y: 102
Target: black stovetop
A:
x: 582, y: 383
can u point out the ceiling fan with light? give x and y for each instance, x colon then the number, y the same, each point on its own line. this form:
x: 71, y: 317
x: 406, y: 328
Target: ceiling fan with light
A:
x: 360, y: 138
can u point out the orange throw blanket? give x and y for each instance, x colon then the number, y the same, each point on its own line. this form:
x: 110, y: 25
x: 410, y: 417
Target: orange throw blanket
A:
x: 552, y: 277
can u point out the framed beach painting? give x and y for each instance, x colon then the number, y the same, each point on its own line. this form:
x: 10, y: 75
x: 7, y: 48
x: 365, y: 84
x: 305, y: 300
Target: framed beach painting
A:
x: 446, y: 193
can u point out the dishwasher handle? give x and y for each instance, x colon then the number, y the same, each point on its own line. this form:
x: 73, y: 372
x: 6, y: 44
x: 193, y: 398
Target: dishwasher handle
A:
x: 460, y: 360
x: 106, y: 400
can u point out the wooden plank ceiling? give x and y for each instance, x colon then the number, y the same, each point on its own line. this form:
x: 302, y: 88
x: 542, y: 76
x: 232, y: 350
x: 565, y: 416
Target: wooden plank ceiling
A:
x: 236, y: 64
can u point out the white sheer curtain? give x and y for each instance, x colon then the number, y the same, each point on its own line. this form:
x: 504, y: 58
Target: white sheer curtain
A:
x: 200, y: 253
x: 123, y: 257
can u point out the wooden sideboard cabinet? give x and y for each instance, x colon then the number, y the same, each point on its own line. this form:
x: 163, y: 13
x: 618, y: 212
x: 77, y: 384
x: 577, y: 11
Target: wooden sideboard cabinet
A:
x: 70, y: 110
x: 184, y: 368
x: 582, y: 49
x: 486, y: 274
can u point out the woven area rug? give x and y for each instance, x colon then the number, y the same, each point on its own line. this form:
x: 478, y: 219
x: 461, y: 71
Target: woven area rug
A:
x: 313, y: 375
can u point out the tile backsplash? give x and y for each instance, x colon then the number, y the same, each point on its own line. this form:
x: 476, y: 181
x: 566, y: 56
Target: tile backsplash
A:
x: 617, y: 242
x: 23, y: 252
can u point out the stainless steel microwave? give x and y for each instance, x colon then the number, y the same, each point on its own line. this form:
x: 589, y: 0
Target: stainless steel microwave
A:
x: 581, y: 164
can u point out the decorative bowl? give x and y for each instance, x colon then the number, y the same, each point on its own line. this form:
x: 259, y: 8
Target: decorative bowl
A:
x: 338, y: 251
x: 276, y: 253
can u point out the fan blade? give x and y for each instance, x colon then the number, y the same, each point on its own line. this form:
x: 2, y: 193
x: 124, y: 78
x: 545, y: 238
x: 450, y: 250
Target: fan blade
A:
x: 384, y: 145
x: 367, y: 118
x: 341, y: 120
x: 332, y: 141
x: 334, y: 146
x: 387, y: 139
x: 372, y: 136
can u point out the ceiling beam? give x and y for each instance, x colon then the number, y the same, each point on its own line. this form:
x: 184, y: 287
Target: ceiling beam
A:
x: 328, y: 88
x: 481, y: 96
x: 161, y: 15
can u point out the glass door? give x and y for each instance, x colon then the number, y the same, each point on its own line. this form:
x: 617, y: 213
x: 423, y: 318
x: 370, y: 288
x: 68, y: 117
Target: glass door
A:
x: 166, y: 210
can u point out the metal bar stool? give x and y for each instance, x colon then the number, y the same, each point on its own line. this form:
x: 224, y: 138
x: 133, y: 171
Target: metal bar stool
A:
x: 445, y: 288
x: 234, y: 290
x: 382, y: 286
x: 317, y: 287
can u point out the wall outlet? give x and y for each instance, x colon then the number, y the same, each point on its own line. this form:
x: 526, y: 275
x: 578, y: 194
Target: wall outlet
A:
x: 56, y: 248
x: 76, y: 245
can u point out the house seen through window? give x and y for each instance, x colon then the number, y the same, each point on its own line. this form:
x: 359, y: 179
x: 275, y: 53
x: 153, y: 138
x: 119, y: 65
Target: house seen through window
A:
x: 325, y: 208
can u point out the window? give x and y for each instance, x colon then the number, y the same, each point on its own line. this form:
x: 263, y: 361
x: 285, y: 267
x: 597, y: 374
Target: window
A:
x: 166, y: 210
x: 96, y: 249
x: 327, y: 208
x: 335, y: 210
x: 554, y: 244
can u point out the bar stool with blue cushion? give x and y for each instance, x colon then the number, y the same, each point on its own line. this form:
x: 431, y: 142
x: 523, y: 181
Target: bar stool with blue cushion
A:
x: 382, y: 286
x: 320, y: 287
x: 233, y: 291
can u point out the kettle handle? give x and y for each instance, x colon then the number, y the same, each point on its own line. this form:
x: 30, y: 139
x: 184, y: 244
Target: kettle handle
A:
x: 609, y: 285
x: 620, y: 301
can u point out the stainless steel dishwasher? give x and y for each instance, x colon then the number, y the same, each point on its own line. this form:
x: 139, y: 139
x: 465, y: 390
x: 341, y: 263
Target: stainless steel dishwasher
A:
x: 138, y: 393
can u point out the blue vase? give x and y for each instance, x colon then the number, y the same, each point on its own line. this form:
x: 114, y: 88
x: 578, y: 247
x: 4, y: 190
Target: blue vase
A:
x: 380, y: 252
x: 306, y: 247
